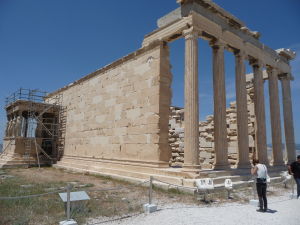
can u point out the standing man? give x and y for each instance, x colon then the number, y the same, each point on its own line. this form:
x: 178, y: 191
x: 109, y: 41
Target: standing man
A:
x: 261, y: 173
x: 294, y: 169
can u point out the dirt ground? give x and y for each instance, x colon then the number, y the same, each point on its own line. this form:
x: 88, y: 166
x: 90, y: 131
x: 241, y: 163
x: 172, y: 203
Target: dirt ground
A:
x: 108, y: 197
x: 95, y: 182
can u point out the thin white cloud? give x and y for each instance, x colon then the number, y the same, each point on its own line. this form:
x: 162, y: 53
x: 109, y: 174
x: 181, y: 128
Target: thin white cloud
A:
x: 296, y: 62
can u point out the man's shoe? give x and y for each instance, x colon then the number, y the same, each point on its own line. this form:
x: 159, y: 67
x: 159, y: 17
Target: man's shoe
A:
x: 259, y: 210
x: 265, y: 210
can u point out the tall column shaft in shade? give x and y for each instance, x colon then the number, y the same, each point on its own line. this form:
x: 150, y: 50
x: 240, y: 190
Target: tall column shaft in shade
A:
x: 242, y: 112
x: 191, y: 111
x: 288, y: 119
x: 275, y: 117
x: 259, y: 106
x: 220, y: 126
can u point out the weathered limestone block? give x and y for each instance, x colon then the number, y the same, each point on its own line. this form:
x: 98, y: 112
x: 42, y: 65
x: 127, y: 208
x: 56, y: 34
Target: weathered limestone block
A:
x: 175, y: 155
x: 233, y: 126
x: 179, y: 130
x: 233, y: 144
x: 171, y: 140
x: 232, y: 150
x: 181, y: 135
x: 206, y: 144
x: 251, y: 141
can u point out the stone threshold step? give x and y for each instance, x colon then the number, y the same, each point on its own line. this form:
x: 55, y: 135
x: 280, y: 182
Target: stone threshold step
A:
x: 130, y: 179
x: 152, y: 170
x: 221, y: 180
x: 163, y: 185
x: 134, y: 174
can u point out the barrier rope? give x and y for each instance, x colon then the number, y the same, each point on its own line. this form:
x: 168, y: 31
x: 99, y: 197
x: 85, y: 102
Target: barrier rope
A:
x: 119, y: 188
x: 31, y: 196
x: 64, y: 189
x: 175, y: 185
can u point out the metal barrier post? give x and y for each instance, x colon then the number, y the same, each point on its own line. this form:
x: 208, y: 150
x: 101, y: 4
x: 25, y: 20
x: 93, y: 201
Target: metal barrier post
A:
x: 68, y: 201
x: 205, y: 196
x: 149, y: 207
x: 150, y: 190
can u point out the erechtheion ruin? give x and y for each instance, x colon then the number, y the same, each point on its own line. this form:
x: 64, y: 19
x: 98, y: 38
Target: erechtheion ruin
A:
x: 118, y: 120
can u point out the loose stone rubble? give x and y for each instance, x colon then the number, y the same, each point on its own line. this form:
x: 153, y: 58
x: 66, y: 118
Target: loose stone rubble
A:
x: 206, y: 133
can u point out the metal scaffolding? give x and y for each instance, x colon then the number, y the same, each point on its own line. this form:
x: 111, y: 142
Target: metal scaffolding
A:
x: 42, y: 123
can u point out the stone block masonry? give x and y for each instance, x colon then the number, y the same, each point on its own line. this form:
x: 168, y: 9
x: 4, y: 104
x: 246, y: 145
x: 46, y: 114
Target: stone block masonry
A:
x: 120, y: 112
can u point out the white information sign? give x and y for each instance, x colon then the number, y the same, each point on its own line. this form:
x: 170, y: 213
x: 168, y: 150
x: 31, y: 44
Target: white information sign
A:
x: 74, y: 196
x: 205, y: 184
x: 228, y: 184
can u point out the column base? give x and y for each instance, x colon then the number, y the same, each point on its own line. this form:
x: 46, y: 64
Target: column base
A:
x: 278, y: 167
x: 243, y: 166
x: 279, y: 164
x: 191, y: 168
x: 224, y: 166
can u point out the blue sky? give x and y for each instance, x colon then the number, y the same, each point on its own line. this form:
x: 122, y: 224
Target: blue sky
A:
x: 47, y: 44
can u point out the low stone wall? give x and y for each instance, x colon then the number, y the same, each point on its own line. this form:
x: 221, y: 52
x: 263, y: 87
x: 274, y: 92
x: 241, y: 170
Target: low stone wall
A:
x: 206, y: 133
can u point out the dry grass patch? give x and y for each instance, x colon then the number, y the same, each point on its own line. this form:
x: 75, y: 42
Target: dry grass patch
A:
x: 123, y: 198
x: 109, y: 198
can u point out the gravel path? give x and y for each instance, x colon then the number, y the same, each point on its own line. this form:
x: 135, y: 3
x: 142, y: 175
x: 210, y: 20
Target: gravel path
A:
x: 283, y: 211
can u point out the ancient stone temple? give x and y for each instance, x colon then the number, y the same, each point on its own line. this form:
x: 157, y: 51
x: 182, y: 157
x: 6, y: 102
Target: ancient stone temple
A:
x: 119, y: 122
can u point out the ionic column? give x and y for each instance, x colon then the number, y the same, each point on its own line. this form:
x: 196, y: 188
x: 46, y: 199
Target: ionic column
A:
x: 220, y: 126
x: 259, y: 107
x: 191, y: 111
x: 275, y: 117
x: 288, y: 119
x: 242, y: 112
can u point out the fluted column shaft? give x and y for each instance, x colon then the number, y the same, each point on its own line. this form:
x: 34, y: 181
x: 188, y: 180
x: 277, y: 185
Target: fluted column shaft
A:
x: 259, y: 107
x: 288, y: 119
x: 191, y: 114
x: 242, y: 112
x: 220, y: 126
x: 275, y: 117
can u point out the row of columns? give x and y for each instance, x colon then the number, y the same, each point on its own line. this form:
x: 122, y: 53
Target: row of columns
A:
x: 19, y: 126
x: 191, y: 159
x: 15, y: 126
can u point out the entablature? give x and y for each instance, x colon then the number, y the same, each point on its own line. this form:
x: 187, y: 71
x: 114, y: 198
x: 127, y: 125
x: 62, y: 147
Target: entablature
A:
x: 215, y: 24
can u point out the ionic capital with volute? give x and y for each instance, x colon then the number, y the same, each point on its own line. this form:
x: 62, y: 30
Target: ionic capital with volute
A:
x: 218, y: 43
x: 285, y: 76
x: 257, y: 63
x: 240, y: 53
x: 191, y: 33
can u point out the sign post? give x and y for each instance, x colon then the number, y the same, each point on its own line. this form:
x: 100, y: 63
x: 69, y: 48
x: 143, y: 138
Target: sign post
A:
x: 69, y: 197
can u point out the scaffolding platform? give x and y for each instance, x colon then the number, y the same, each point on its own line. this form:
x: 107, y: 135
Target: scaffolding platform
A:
x: 34, y: 133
